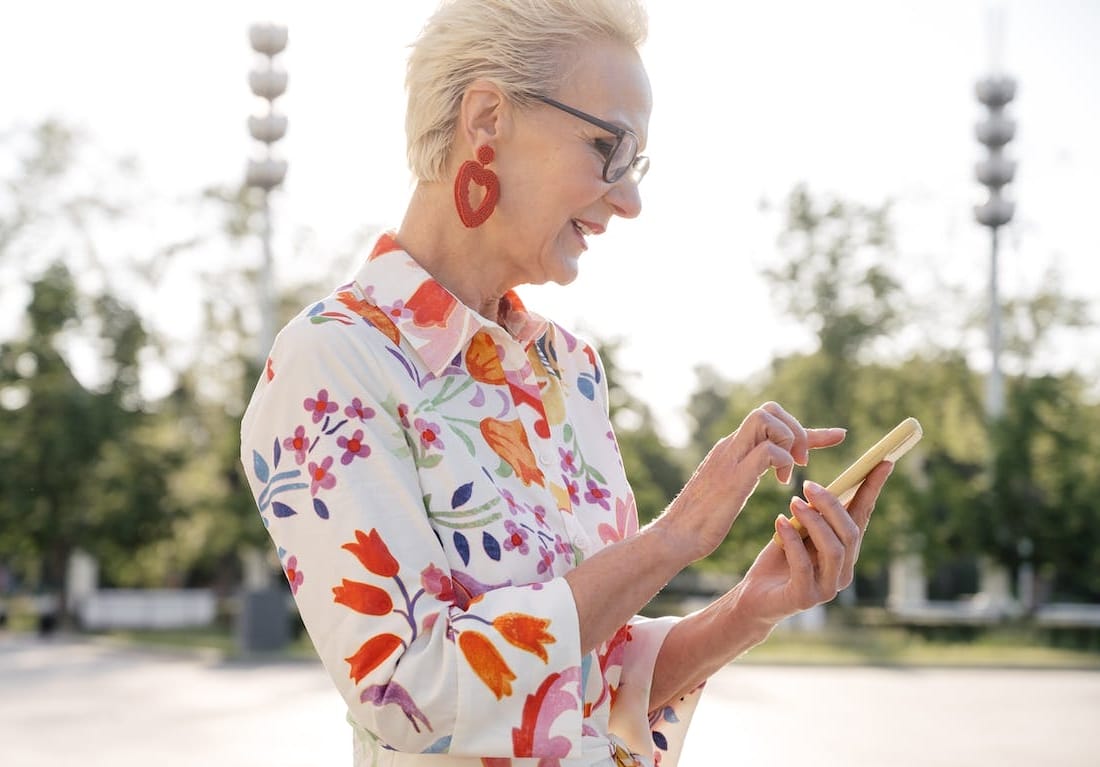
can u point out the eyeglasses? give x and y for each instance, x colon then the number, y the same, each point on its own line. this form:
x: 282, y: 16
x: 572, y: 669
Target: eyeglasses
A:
x: 622, y: 158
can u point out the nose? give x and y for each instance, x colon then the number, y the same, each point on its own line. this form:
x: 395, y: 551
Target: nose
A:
x: 625, y: 198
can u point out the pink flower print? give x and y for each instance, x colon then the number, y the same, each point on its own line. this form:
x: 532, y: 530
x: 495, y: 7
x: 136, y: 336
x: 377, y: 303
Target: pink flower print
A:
x: 429, y: 434
x: 516, y: 540
x: 546, y: 560
x: 568, y: 462
x: 398, y: 310
x: 597, y: 494
x: 573, y: 488
x: 563, y: 547
x: 512, y: 505
x: 403, y: 414
x: 614, y: 442
x: 293, y: 574
x: 358, y: 410
x: 298, y: 443
x: 437, y: 583
x: 353, y: 447
x: 320, y: 477
x: 320, y: 407
x: 539, y: 513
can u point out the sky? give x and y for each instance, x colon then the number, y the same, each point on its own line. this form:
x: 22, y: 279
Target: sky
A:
x: 870, y: 101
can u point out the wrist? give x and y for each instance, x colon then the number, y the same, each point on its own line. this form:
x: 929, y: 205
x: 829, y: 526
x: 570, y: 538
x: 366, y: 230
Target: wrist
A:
x: 743, y: 619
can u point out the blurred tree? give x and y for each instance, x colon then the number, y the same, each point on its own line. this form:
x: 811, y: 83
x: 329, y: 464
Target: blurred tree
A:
x: 75, y: 471
x: 940, y: 502
x: 834, y: 275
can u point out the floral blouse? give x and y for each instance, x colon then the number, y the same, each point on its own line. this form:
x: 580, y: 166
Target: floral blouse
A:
x: 428, y: 477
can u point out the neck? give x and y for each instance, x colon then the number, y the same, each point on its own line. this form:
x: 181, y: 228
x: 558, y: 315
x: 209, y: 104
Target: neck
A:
x: 458, y: 258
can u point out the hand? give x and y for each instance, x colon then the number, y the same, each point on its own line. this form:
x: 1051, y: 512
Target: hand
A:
x: 802, y: 573
x: 700, y: 517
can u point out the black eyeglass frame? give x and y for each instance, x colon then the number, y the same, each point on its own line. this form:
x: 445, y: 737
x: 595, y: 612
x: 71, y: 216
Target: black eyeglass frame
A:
x: 618, y: 132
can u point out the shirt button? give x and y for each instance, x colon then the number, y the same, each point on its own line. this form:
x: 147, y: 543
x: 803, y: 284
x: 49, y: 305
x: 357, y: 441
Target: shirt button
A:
x: 544, y: 459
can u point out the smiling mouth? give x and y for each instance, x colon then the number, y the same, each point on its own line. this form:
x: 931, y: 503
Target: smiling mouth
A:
x: 585, y: 229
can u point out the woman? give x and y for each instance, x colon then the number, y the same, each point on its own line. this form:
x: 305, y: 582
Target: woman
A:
x: 436, y: 466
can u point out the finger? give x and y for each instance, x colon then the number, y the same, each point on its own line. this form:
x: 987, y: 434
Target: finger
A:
x: 799, y: 446
x: 762, y: 427
x: 844, y: 528
x: 830, y: 507
x: 768, y: 455
x: 863, y: 503
x: 830, y: 551
x: 799, y: 564
x: 829, y: 437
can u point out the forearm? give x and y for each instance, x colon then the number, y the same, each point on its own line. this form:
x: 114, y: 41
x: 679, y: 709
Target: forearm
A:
x: 702, y: 643
x: 611, y: 587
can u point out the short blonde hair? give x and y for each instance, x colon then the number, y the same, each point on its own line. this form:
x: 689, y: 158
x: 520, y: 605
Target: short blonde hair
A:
x: 520, y: 45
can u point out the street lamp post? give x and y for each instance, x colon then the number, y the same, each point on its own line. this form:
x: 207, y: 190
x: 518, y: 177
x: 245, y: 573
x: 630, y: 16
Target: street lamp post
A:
x: 267, y: 171
x: 262, y: 623
x: 994, y: 172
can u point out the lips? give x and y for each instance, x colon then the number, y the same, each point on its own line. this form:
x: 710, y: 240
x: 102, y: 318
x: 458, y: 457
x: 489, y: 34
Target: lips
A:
x: 586, y: 229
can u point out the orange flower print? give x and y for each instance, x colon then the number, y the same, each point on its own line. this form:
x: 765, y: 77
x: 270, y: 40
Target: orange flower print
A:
x: 371, y: 314
x: 486, y: 662
x: 526, y: 632
x: 363, y: 598
x: 373, y: 553
x: 431, y: 304
x: 482, y: 360
x: 508, y: 439
x: 371, y: 654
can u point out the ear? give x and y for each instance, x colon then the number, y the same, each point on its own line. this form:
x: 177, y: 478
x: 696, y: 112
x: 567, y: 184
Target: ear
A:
x: 483, y: 114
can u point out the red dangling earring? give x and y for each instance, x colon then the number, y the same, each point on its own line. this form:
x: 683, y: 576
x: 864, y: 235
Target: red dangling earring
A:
x: 477, y: 173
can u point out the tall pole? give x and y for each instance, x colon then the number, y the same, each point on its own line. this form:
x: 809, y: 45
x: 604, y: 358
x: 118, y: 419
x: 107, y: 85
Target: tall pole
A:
x: 995, y: 396
x: 262, y: 619
x: 267, y: 172
x: 994, y: 172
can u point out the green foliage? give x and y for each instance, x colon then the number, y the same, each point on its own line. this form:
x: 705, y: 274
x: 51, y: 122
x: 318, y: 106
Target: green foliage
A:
x: 1023, y: 489
x: 76, y: 466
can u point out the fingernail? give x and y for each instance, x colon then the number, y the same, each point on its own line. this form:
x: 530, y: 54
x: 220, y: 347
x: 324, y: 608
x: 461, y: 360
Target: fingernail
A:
x: 799, y: 504
x: 811, y: 487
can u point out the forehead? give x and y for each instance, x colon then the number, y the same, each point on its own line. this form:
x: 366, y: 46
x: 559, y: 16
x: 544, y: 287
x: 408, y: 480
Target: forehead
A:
x: 608, y: 80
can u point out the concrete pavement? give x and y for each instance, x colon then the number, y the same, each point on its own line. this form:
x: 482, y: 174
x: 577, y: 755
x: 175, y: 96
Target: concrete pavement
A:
x: 73, y: 702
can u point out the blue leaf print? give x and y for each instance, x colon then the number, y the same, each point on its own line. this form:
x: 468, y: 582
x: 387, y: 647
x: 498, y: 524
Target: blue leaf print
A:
x: 463, y: 547
x: 492, y: 548
x: 462, y: 494
x: 282, y: 510
x: 317, y: 309
x: 259, y: 465
x: 320, y: 507
x: 441, y: 746
x: 277, y: 452
x: 669, y: 715
x: 660, y: 740
x: 584, y: 385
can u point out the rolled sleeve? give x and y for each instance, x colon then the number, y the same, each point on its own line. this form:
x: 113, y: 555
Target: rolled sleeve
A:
x: 660, y: 732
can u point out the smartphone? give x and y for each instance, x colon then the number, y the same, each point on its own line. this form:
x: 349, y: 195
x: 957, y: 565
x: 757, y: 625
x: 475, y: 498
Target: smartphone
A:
x: 893, y: 446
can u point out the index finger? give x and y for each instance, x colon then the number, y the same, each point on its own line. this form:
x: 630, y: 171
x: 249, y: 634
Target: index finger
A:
x: 828, y: 437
